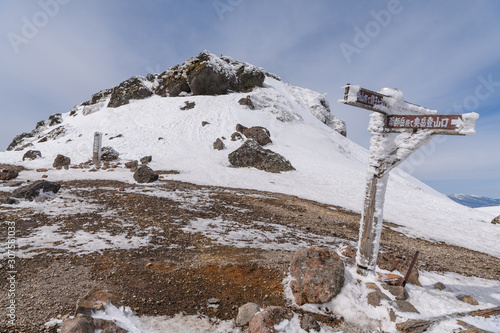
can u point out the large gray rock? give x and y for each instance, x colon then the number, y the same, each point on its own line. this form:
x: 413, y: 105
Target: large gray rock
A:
x: 145, y: 174
x: 32, y: 155
x: 61, y: 161
x: 8, y: 174
x: 259, y: 134
x: 318, y: 275
x: 264, y: 321
x: 246, y: 313
x: 109, y: 154
x: 32, y: 191
x: 132, y: 88
x: 251, y: 154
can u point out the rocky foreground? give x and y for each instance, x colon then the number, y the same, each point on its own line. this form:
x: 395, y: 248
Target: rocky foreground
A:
x: 155, y: 264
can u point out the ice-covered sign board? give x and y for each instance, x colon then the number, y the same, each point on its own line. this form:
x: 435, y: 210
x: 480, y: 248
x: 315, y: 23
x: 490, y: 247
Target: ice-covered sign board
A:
x: 416, y: 125
x: 429, y: 122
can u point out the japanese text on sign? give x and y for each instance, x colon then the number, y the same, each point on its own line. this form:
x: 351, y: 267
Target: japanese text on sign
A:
x: 431, y: 122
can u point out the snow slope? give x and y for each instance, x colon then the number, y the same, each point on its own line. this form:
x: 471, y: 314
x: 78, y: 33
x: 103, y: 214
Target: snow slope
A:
x: 329, y: 167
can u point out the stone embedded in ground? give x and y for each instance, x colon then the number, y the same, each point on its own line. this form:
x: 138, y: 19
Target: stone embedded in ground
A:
x: 188, y: 106
x: 487, y: 313
x: 108, y: 154
x: 398, y: 291
x: 470, y: 328
x: 246, y: 313
x: 7, y: 174
x: 375, y: 297
x: 259, y: 134
x: 94, y: 300
x: 264, y: 321
x: 32, y: 155
x: 439, y: 286
x: 496, y: 220
x: 80, y: 324
x: 308, y: 323
x: 247, y: 101
x: 61, y: 161
x: 318, y: 275
x: 372, y: 286
x: 219, y: 145
x: 146, y: 159
x: 145, y: 174
x: 9, y: 201
x: 236, y: 136
x: 204, y: 123
x: 468, y: 299
x: 414, y: 326
x: 240, y: 128
x: 251, y: 154
x: 404, y: 306
x: 132, y: 164
x: 32, y: 191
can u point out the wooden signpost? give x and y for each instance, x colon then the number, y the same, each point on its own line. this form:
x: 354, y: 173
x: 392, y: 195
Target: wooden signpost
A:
x: 415, y: 125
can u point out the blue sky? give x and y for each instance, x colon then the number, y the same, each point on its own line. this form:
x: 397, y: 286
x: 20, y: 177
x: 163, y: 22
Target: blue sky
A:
x: 444, y: 55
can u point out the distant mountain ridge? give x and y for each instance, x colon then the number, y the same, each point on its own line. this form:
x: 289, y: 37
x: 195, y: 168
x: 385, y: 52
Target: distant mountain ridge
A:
x: 474, y: 201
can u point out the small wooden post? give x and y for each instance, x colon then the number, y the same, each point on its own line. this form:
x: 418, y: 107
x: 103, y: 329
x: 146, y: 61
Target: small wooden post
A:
x: 96, y: 152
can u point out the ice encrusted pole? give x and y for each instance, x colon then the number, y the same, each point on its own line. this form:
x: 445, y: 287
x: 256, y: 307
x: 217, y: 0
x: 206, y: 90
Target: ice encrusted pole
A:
x: 381, y: 146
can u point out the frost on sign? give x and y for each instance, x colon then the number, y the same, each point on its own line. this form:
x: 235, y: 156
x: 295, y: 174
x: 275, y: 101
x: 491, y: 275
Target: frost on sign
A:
x: 429, y: 122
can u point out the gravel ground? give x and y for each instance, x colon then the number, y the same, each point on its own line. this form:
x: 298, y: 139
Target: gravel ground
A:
x: 179, y: 271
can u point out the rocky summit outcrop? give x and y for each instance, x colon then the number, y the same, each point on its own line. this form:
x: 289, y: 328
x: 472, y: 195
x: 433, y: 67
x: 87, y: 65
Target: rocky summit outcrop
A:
x: 251, y: 154
x: 318, y: 275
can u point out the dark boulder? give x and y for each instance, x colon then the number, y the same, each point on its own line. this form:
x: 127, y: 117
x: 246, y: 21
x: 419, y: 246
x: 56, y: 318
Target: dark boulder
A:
x: 132, y: 164
x: 8, y: 174
x: 145, y: 174
x: 249, y: 78
x: 318, y: 275
x: 259, y: 134
x: 55, y: 119
x: 109, y: 154
x: 146, y: 159
x: 247, y: 101
x: 240, y: 128
x: 251, y: 154
x: 61, y: 161
x: 209, y: 81
x: 30, y: 192
x: 132, y: 88
x: 219, y: 145
x: 32, y: 155
x: 9, y: 201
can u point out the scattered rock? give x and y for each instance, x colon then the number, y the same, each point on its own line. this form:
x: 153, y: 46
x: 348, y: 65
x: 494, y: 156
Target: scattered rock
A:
x: 439, y: 286
x: 9, y: 201
x: 94, y: 300
x: 392, y: 315
x: 468, y: 299
x: 204, y: 123
x: 109, y: 154
x: 219, y: 145
x: 264, y: 321
x: 470, y: 328
x: 375, y: 297
x: 496, y: 220
x: 398, y: 291
x: 259, y: 134
x: 146, y: 159
x: 145, y: 174
x: 251, y: 154
x: 117, y: 136
x: 247, y: 101
x: 308, y: 323
x: 414, y: 326
x: 42, y: 140
x: 132, y: 88
x: 42, y: 170
x: 246, y: 313
x: 80, y: 324
x: 188, y: 105
x: 318, y: 275
x: 32, y: 155
x: 404, y: 306
x: 8, y: 174
x: 236, y: 136
x: 132, y: 164
x: 213, y: 301
x: 392, y: 279
x: 55, y: 119
x: 32, y: 191
x: 240, y: 128
x: 61, y: 161
x: 487, y: 313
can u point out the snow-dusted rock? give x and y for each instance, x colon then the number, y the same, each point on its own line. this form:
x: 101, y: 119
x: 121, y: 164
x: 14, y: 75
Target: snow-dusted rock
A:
x: 218, y: 144
x: 61, y: 161
x: 109, y: 154
x: 496, y: 220
x: 264, y: 321
x: 251, y: 154
x: 7, y: 174
x: 32, y: 191
x: 318, y: 275
x: 259, y: 134
x: 32, y: 155
x: 246, y: 313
